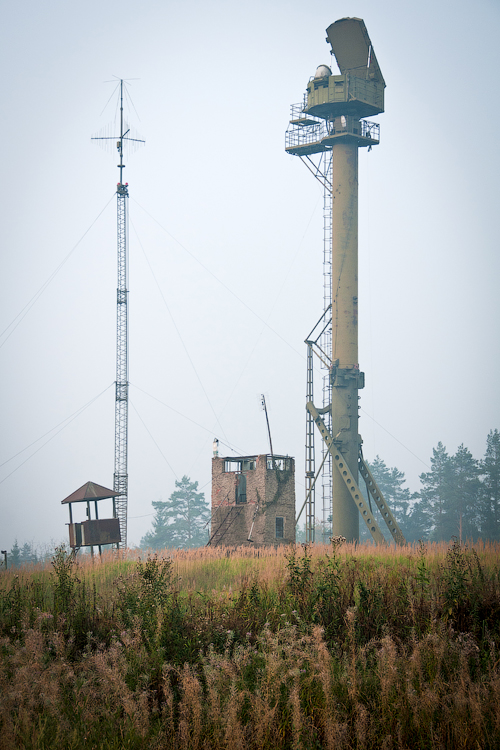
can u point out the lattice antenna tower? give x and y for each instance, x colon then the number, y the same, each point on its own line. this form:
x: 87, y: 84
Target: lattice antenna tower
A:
x: 120, y: 476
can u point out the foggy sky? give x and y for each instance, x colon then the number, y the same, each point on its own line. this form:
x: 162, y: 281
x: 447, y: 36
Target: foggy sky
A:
x: 226, y: 242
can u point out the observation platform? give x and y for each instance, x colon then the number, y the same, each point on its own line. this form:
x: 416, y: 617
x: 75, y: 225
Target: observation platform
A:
x: 307, y: 135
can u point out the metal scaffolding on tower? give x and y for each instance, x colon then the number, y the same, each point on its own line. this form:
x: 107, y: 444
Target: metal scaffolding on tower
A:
x: 120, y: 476
x: 326, y: 132
x: 323, y: 172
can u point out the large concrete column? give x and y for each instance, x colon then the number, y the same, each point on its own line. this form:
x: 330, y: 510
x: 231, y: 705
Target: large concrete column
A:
x: 345, y: 372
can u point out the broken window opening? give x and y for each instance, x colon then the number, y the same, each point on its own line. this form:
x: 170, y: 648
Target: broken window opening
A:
x: 280, y: 527
x: 237, y: 465
x: 281, y: 464
x: 241, y: 489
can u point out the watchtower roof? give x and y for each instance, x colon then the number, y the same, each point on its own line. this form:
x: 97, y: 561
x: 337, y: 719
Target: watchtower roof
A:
x: 89, y: 491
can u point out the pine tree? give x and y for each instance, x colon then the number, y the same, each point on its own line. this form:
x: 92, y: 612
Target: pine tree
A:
x: 390, y: 482
x: 181, y: 521
x: 489, y: 522
x: 28, y: 553
x: 14, y: 556
x: 436, y: 493
x: 450, y: 494
x: 465, y: 505
x: 419, y: 524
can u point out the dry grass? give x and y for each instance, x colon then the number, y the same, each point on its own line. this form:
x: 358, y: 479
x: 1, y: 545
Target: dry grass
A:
x: 240, y: 648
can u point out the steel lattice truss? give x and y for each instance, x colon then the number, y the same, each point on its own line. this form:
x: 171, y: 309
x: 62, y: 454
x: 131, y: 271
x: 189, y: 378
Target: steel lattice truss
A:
x: 310, y: 452
x: 322, y: 170
x: 120, y: 478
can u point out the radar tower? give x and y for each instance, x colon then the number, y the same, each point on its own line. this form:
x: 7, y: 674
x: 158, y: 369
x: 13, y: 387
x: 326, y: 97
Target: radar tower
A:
x: 326, y: 130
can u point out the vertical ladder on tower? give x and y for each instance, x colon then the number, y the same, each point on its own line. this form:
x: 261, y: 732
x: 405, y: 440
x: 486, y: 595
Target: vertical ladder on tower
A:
x: 310, y: 455
x: 326, y: 340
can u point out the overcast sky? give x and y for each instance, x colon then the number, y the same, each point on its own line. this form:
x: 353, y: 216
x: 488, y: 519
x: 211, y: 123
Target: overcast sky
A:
x: 226, y: 241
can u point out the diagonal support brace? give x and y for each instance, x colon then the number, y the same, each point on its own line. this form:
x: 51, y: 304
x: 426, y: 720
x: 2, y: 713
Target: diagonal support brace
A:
x: 379, y: 499
x: 345, y: 473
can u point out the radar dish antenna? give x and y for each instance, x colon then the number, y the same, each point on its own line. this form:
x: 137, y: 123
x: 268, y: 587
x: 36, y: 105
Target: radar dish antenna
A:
x: 353, y: 49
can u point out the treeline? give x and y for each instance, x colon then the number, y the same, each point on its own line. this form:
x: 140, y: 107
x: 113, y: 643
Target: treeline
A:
x: 28, y: 554
x: 459, y: 496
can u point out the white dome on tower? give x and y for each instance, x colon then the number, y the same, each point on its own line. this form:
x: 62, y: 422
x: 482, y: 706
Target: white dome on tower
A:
x: 322, y: 71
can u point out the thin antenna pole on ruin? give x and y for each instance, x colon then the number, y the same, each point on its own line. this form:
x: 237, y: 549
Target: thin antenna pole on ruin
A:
x: 268, y: 427
x: 120, y: 476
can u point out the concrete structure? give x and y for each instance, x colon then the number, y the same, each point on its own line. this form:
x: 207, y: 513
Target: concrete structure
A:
x: 253, y: 500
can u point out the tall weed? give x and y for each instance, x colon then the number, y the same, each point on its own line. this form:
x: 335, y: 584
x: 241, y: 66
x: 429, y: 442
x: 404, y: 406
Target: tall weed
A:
x: 310, y: 647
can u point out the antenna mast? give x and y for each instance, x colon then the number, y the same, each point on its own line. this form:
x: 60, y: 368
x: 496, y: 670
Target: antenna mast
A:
x: 263, y: 401
x: 120, y: 476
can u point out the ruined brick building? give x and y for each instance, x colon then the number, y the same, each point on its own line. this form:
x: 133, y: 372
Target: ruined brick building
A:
x: 253, y: 500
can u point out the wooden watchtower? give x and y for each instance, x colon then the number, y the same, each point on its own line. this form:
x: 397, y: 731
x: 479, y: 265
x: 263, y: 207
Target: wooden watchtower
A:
x: 93, y: 532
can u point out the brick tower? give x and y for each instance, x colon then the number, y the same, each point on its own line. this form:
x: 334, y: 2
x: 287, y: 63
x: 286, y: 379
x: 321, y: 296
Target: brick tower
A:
x: 253, y: 500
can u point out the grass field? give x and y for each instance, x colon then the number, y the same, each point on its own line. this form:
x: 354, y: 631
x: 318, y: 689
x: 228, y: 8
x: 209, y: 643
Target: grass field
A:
x: 322, y: 647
